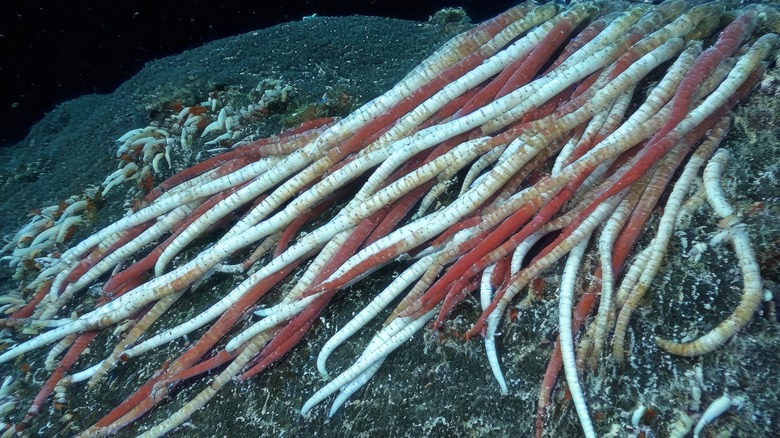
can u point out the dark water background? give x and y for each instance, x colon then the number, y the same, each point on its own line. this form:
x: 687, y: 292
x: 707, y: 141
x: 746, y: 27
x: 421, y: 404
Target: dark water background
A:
x: 53, y: 51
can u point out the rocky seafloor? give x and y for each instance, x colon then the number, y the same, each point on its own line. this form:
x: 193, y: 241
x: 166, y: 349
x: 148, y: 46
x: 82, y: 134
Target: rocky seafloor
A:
x: 438, y: 384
